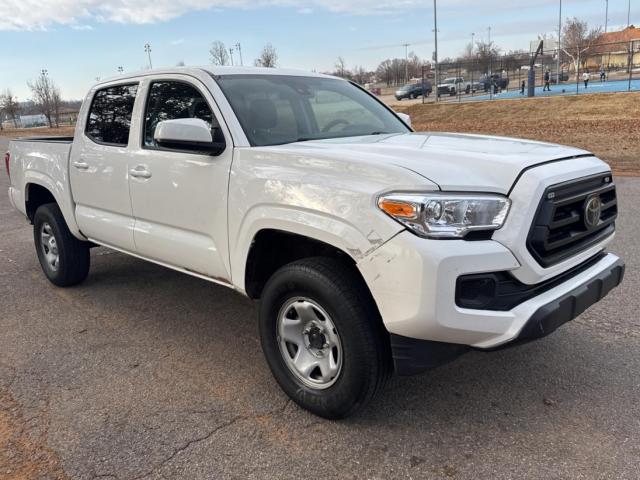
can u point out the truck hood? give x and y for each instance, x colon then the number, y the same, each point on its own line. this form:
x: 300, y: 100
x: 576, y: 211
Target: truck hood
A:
x: 455, y: 162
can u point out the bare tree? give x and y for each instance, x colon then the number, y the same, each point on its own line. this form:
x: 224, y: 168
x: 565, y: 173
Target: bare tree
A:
x: 46, y: 98
x: 180, y: 63
x: 218, y: 53
x: 487, y: 54
x: 268, y: 57
x: 341, y: 68
x: 9, y: 106
x: 360, y: 75
x: 578, y: 40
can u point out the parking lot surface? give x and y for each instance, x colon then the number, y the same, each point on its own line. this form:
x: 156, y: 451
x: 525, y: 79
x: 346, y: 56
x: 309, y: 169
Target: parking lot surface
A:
x: 145, y: 373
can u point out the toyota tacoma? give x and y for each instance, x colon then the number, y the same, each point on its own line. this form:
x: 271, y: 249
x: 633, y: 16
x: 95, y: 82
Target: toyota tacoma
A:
x: 372, y: 248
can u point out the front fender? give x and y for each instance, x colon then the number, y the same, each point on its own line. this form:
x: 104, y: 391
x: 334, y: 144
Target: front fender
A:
x: 319, y: 226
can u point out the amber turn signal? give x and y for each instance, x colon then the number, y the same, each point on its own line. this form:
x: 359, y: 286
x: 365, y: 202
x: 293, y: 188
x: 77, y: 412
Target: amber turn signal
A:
x: 398, y: 209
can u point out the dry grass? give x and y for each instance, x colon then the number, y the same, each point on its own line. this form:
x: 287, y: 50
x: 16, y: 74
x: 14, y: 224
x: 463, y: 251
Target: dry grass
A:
x: 605, y: 124
x: 36, y: 132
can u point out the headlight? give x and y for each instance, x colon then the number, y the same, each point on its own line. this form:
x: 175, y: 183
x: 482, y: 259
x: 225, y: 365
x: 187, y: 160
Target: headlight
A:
x: 441, y: 215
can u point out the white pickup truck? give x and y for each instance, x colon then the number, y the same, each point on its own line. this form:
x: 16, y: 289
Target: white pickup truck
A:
x: 372, y: 248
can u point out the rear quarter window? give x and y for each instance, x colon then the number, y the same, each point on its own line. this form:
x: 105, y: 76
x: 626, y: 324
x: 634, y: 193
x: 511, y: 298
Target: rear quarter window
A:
x: 109, y: 119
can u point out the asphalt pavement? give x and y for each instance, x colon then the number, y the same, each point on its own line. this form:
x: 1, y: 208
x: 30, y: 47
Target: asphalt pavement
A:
x: 145, y: 373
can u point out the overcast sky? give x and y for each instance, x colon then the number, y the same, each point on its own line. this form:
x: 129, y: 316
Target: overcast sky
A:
x: 77, y: 41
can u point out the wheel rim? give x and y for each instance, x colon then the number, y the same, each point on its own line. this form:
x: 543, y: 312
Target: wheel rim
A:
x: 309, y: 343
x: 49, y: 247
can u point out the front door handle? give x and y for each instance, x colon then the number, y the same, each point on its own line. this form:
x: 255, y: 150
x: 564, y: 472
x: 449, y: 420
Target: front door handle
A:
x: 140, y: 172
x: 80, y: 165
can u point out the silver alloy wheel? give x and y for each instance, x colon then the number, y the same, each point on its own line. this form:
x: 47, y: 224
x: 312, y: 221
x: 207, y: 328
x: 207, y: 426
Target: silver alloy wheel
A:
x: 49, y: 246
x: 309, y: 343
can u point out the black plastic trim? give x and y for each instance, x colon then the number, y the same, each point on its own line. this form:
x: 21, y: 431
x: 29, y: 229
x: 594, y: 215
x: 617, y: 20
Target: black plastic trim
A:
x: 556, y: 313
x: 412, y: 356
x: 510, y: 292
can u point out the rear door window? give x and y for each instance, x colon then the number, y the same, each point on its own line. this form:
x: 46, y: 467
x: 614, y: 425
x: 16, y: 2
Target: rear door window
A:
x: 109, y: 119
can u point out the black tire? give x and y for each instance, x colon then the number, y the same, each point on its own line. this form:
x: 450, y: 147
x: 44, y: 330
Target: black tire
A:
x: 73, y: 254
x: 366, y: 358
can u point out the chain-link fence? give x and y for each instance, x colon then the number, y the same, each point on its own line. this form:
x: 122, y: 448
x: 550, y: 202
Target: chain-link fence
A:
x: 576, y: 69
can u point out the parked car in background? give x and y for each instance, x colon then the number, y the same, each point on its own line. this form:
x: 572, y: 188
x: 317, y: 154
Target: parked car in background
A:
x: 452, y: 85
x: 500, y: 82
x: 475, y: 86
x: 414, y: 90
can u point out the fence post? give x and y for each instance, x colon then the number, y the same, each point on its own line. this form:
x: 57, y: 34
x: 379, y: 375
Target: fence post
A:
x: 631, y: 52
x: 578, y: 73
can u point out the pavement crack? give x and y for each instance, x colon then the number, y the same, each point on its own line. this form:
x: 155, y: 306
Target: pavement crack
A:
x: 194, y: 441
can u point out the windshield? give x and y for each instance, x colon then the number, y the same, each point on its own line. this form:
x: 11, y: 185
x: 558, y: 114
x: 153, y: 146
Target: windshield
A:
x: 450, y: 80
x: 279, y: 109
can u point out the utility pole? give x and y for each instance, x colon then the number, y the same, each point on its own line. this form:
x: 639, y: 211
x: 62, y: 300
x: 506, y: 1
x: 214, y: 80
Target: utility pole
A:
x: 435, y: 54
x: 147, y: 48
x: 406, y: 62
x: 231, y: 55
x: 559, y: 42
x: 490, y: 64
x: 239, y: 48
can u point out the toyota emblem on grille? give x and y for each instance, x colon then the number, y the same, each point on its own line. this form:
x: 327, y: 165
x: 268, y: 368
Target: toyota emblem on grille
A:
x: 592, y: 212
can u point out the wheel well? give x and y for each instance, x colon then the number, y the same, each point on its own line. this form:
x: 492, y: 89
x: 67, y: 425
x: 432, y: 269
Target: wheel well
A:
x: 37, y: 195
x: 272, y: 249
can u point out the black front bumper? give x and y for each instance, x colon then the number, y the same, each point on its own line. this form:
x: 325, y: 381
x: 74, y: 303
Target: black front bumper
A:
x: 411, y: 356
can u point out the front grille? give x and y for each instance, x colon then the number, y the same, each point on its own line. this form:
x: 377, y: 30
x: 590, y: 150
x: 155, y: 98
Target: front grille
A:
x: 560, y: 229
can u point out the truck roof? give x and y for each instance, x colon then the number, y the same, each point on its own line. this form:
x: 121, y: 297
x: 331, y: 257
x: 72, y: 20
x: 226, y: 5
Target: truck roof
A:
x: 217, y: 70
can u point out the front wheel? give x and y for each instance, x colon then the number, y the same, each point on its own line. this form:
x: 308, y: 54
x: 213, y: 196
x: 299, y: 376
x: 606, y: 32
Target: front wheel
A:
x: 64, y: 259
x: 323, y: 337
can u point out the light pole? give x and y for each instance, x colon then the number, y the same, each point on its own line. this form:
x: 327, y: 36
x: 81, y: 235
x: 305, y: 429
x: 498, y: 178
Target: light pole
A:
x: 44, y: 72
x: 490, y: 64
x: 473, y: 35
x: 231, y: 55
x: 435, y: 54
x: 629, y: 14
x: 559, y: 42
x: 406, y: 62
x: 239, y: 48
x: 606, y: 15
x: 147, y: 48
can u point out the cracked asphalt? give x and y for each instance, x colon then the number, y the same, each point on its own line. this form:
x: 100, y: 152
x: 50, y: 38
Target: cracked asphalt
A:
x: 145, y: 373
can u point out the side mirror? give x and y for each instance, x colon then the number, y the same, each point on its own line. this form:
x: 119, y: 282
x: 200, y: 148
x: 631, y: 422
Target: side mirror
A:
x: 192, y: 134
x: 404, y: 117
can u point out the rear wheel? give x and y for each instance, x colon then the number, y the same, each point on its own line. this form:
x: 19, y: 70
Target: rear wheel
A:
x: 323, y: 338
x: 64, y: 259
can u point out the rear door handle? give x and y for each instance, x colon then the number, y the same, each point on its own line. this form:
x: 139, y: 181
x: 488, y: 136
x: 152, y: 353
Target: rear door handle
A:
x: 81, y: 165
x: 140, y: 172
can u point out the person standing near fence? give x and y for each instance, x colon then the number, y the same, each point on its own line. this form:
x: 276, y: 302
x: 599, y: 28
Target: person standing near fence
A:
x: 585, y: 78
x: 547, y: 79
x: 603, y: 74
x: 522, y: 87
